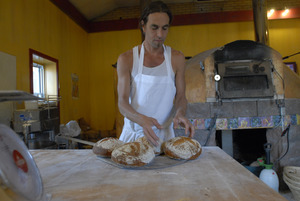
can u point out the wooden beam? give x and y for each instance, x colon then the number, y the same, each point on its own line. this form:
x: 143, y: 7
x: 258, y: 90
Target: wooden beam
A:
x: 73, y: 13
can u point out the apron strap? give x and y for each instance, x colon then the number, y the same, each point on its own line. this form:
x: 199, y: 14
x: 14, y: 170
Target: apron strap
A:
x: 168, y: 62
x: 141, y: 60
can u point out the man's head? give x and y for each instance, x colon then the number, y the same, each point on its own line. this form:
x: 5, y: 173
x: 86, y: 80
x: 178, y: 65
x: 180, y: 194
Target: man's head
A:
x: 155, y: 7
x: 155, y: 21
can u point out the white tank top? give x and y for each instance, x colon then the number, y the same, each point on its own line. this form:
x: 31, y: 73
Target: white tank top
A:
x: 160, y: 70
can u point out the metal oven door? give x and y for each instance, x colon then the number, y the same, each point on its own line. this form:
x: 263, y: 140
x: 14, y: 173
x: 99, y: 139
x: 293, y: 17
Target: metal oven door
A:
x: 245, y: 79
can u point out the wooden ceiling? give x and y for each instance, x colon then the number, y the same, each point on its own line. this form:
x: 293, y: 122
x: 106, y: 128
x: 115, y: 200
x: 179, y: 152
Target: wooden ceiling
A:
x: 92, y: 9
x: 86, y: 13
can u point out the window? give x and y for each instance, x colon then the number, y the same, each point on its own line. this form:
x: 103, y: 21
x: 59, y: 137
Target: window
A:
x: 43, y: 69
x: 38, y: 80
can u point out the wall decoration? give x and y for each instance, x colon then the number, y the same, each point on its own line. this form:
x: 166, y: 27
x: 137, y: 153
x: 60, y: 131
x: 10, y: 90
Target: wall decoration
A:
x: 75, y: 86
x: 292, y: 66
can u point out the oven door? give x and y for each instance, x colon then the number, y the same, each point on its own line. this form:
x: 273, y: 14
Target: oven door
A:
x: 245, y: 79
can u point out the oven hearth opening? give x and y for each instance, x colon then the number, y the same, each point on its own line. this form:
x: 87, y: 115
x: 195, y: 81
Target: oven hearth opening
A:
x: 244, y: 145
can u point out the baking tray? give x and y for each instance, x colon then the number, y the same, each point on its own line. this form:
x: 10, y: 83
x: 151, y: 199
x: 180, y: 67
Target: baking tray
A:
x: 159, y: 162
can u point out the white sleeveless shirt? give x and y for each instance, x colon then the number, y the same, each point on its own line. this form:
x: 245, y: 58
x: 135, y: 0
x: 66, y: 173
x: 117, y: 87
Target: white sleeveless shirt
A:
x: 152, y: 94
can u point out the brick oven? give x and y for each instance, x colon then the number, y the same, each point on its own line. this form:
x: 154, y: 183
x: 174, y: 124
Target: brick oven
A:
x: 245, y: 88
x: 242, y: 95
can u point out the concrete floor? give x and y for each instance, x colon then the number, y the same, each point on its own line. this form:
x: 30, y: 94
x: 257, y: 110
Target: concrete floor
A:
x: 288, y: 195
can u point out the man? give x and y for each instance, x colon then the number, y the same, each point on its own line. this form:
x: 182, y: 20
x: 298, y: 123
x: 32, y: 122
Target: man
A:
x: 151, y: 80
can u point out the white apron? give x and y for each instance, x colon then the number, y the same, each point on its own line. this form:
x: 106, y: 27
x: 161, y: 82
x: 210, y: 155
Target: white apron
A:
x: 151, y: 96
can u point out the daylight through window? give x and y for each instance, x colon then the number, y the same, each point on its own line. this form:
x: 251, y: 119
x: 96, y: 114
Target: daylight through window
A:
x: 38, y: 80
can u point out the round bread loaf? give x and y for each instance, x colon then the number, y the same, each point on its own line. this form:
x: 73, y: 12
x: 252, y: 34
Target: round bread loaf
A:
x: 133, y: 154
x: 182, y: 148
x: 157, y: 149
x: 105, y: 146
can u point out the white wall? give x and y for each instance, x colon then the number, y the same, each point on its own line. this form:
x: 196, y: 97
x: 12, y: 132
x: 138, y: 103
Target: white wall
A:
x: 7, y: 82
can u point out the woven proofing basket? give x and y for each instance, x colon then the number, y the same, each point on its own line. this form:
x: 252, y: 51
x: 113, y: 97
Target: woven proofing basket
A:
x: 291, y: 176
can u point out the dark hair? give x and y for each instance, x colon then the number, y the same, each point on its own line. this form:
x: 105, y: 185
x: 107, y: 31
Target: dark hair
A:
x: 155, y: 7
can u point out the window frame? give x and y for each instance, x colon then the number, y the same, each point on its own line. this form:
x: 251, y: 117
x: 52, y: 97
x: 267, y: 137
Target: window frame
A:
x: 31, y: 54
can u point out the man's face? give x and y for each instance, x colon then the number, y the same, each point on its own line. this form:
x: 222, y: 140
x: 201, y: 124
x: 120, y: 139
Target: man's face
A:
x: 156, y: 29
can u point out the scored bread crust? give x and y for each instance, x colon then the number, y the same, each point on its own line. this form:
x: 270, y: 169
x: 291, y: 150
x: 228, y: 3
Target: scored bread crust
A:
x: 105, y: 146
x: 133, y: 154
x: 157, y: 149
x: 182, y: 148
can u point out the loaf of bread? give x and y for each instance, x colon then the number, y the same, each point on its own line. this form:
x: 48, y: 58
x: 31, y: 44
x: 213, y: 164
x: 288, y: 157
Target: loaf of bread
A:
x: 182, y: 148
x: 157, y: 149
x: 133, y: 154
x: 105, y: 146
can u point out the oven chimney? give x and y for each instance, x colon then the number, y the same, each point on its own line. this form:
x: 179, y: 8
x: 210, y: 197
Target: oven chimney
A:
x: 260, y: 21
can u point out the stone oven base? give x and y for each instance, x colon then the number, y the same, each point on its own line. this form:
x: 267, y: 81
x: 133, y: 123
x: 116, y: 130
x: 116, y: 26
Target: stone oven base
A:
x: 272, y: 115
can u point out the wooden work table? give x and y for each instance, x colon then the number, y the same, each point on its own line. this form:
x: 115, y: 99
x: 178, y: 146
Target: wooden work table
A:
x: 71, y: 175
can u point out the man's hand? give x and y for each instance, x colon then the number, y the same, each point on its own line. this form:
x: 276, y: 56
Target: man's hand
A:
x: 147, y: 123
x: 184, y: 122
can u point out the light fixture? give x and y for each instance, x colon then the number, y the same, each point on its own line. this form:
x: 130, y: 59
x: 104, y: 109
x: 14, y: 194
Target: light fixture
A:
x: 270, y: 12
x: 285, y: 12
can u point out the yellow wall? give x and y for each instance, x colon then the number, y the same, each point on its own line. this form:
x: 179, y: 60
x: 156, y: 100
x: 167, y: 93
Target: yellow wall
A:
x: 284, y: 37
x: 104, y: 49
x: 40, y: 25
x: 194, y: 39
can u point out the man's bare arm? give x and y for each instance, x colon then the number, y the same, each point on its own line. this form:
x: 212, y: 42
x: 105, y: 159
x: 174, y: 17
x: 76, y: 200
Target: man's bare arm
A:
x: 178, y: 61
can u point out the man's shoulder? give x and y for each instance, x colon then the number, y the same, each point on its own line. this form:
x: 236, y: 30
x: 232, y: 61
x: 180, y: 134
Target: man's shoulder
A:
x: 126, y: 54
x: 177, y: 59
x: 125, y: 59
x: 176, y: 53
